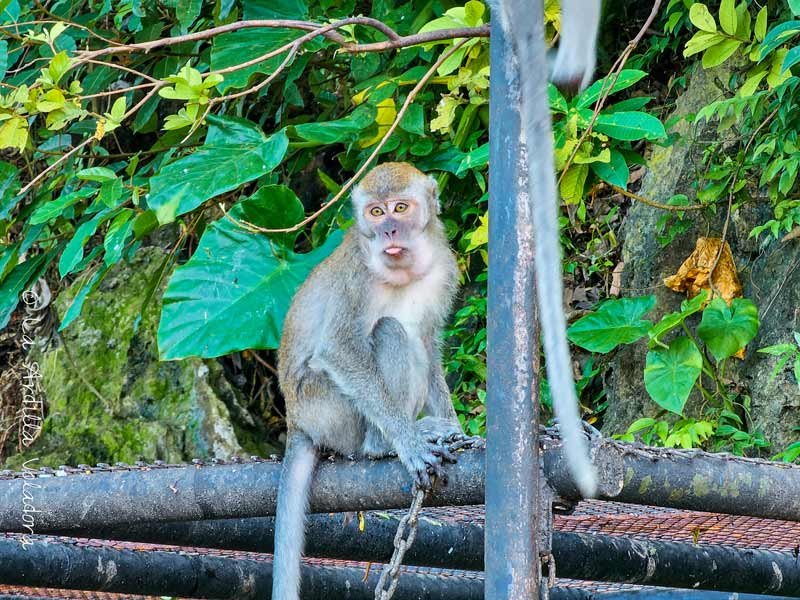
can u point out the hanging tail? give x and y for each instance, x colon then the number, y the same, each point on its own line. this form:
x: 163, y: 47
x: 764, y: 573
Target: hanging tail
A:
x: 298, y: 471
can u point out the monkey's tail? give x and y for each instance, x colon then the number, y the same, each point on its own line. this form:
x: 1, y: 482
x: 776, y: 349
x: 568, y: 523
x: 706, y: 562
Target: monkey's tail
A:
x: 298, y: 471
x: 527, y: 35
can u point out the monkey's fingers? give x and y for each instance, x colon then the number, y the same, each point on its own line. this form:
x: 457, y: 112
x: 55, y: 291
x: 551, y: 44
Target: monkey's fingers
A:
x: 444, y: 453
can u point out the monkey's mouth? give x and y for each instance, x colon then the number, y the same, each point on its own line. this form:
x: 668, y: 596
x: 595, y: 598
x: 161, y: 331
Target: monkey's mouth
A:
x: 394, y: 250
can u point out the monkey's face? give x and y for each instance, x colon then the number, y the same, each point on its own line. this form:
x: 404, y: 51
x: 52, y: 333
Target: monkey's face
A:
x: 394, y: 226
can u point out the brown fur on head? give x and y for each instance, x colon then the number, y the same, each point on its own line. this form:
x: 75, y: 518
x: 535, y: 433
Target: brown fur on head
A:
x: 395, y: 206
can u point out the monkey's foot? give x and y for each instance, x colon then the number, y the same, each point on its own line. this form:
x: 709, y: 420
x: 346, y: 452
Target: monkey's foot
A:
x: 425, y: 459
x: 440, y: 430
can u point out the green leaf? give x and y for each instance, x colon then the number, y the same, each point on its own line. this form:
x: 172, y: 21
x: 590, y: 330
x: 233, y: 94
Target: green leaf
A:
x: 701, y: 41
x: 794, y: 6
x: 557, y: 101
x: 233, y: 277
x: 119, y: 231
x: 571, y: 186
x: 274, y: 207
x: 54, y: 208
x: 673, y: 319
x: 230, y: 49
x: 9, y: 186
x: 727, y: 17
x: 19, y: 280
x: 627, y: 77
x: 791, y: 59
x: 73, y: 253
x: 726, y: 330
x: 236, y: 153
x: 778, y: 36
x: 413, y: 120
x: 718, y: 54
x: 777, y: 349
x: 614, y: 323
x: 343, y: 130
x: 670, y: 373
x: 640, y: 424
x: 75, y: 307
x: 701, y: 18
x: 630, y: 126
x: 615, y: 171
x: 3, y: 59
x: 761, y: 25
x: 187, y: 12
x: 9, y: 256
x: 96, y: 174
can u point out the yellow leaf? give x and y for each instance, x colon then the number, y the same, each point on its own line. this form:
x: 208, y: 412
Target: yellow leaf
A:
x: 479, y: 237
x: 362, y: 524
x: 385, y: 116
x: 572, y: 182
x: 100, y: 131
x: 14, y: 133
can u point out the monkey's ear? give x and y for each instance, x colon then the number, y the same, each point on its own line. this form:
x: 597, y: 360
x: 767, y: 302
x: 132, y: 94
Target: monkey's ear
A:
x: 433, y: 191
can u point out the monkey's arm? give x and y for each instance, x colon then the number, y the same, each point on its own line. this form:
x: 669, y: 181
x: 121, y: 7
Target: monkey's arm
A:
x: 368, y: 370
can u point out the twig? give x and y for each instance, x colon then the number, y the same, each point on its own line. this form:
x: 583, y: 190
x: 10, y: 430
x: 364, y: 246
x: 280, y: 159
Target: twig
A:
x: 654, y: 203
x: 122, y: 68
x: 292, y: 52
x: 610, y: 82
x: 350, y: 182
x: 58, y: 161
x: 395, y: 40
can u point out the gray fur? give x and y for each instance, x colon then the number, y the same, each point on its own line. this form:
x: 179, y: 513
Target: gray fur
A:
x: 359, y: 358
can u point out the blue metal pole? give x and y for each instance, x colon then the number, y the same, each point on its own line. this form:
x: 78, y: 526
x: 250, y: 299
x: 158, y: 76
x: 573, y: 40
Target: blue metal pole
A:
x: 512, y: 481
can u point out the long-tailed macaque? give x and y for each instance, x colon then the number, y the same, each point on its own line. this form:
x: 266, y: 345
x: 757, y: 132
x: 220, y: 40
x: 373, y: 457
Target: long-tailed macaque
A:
x: 359, y: 359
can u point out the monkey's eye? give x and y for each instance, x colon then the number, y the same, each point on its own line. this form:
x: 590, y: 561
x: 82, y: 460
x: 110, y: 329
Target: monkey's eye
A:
x: 376, y: 211
x: 400, y: 207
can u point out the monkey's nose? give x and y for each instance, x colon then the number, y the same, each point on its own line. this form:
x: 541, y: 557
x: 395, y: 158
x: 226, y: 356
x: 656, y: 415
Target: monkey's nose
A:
x: 390, y: 234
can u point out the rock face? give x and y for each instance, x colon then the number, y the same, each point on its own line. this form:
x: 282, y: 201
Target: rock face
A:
x: 108, y: 397
x: 770, y: 276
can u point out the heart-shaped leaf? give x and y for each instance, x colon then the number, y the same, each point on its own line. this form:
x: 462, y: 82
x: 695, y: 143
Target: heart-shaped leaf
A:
x: 615, y: 322
x: 726, y: 330
x: 233, y: 279
x: 670, y: 373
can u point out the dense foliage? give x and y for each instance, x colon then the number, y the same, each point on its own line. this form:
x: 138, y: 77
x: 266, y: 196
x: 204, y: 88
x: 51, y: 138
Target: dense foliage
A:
x: 125, y: 121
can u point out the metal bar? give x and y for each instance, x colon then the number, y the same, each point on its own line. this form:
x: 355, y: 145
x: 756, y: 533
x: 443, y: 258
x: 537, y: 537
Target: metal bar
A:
x: 710, y: 482
x: 511, y: 553
x: 65, y: 566
x: 218, y: 492
x: 653, y: 476
x: 595, y: 557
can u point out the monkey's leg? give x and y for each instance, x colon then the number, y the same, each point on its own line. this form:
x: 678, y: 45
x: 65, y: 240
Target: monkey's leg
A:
x: 392, y: 352
x: 298, y: 471
x: 440, y: 421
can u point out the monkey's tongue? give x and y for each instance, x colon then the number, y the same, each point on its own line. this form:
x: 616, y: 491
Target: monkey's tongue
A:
x: 393, y: 250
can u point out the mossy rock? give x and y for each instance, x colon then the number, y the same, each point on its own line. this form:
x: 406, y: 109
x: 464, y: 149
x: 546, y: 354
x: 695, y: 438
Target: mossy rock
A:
x: 110, y: 399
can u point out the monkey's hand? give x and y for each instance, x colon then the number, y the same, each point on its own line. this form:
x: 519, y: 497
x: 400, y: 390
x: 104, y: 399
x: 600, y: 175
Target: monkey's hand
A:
x: 440, y: 429
x: 424, y: 458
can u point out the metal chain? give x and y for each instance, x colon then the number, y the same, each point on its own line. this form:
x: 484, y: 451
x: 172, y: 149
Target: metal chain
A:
x: 407, y: 531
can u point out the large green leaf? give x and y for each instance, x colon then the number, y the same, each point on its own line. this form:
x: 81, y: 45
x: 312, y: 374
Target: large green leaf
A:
x: 234, y: 292
x: 630, y: 126
x: 20, y: 279
x: 670, y: 373
x: 274, y: 207
x: 234, y: 48
x: 235, y: 152
x: 726, y: 330
x: 75, y: 307
x: 615, y: 322
x: 54, y: 208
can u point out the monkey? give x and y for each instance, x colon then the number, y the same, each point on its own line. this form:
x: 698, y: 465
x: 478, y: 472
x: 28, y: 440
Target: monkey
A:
x: 572, y: 68
x: 359, y: 357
